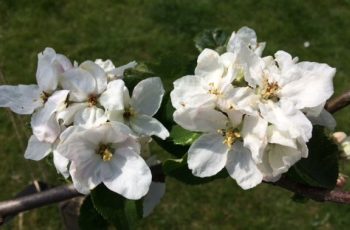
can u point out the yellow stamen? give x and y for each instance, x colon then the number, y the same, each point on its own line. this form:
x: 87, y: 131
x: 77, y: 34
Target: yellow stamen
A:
x: 214, y: 90
x: 230, y: 135
x: 270, y: 91
x: 105, y: 152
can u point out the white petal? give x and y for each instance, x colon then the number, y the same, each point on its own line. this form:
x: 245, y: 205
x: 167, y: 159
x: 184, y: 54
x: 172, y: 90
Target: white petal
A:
x: 188, y: 92
x: 146, y: 125
x: 208, y: 64
x: 37, y: 150
x: 66, y: 116
x: 44, y: 123
x: 313, y: 88
x: 281, y: 158
x: 80, y: 83
x: 147, y: 96
x: 86, y: 175
x: 252, y: 65
x: 97, y: 73
x: 21, y: 99
x: 113, y: 97
x: 50, y: 65
x: 155, y: 193
x: 90, y: 117
x: 276, y: 136
x: 324, y: 119
x: 287, y: 118
x: 245, y: 36
x: 131, y: 176
x: 45, y: 126
x: 61, y: 164
x: 207, y: 155
x: 105, y: 65
x: 200, y: 119
x: 254, y: 134
x: 243, y: 99
x: 241, y: 167
x: 119, y: 71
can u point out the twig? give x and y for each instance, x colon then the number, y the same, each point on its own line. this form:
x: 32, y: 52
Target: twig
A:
x: 37, y: 200
x: 314, y: 193
x: 338, y: 103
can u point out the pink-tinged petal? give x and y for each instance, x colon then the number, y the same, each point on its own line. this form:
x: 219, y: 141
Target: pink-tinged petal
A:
x: 146, y: 125
x: 113, y: 97
x: 241, y: 167
x: 254, y: 133
x: 21, y: 99
x: 207, y: 155
x: 37, y: 150
x: 200, y: 119
x: 147, y: 96
x: 130, y: 177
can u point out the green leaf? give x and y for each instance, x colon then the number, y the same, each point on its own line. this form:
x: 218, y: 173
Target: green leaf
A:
x: 89, y: 218
x: 215, y: 39
x: 320, y: 169
x: 178, y: 169
x: 123, y: 213
x: 165, y: 112
x: 181, y: 136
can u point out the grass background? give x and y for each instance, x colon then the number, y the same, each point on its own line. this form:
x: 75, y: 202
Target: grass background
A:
x: 161, y: 32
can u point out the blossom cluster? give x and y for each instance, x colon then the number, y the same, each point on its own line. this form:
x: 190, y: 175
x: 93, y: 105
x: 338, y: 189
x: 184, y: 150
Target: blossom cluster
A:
x: 255, y: 113
x: 85, y: 116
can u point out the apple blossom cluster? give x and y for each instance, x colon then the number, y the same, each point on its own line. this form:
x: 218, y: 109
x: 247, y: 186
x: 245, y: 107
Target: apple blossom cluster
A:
x: 255, y: 114
x: 85, y: 116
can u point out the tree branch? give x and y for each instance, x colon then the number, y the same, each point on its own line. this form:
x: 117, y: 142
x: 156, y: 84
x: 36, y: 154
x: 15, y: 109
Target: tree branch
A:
x: 335, y: 104
x: 314, y: 193
x: 24, y: 203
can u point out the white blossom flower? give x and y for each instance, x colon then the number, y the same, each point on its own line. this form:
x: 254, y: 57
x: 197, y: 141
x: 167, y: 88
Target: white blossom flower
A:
x: 245, y: 36
x: 112, y: 71
x: 85, y: 84
x: 24, y: 99
x: 221, y: 146
x: 107, y: 154
x: 138, y: 111
x: 211, y: 86
x: 281, y: 152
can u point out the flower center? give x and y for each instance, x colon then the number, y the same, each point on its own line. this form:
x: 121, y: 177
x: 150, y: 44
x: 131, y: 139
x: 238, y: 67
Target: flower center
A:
x: 213, y: 90
x: 231, y: 135
x: 270, y: 91
x: 105, y: 152
x: 92, y: 100
x: 128, y: 113
x: 44, y: 96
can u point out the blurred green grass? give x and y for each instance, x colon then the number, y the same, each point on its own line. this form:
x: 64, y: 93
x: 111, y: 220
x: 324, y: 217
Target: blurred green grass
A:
x: 160, y: 33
